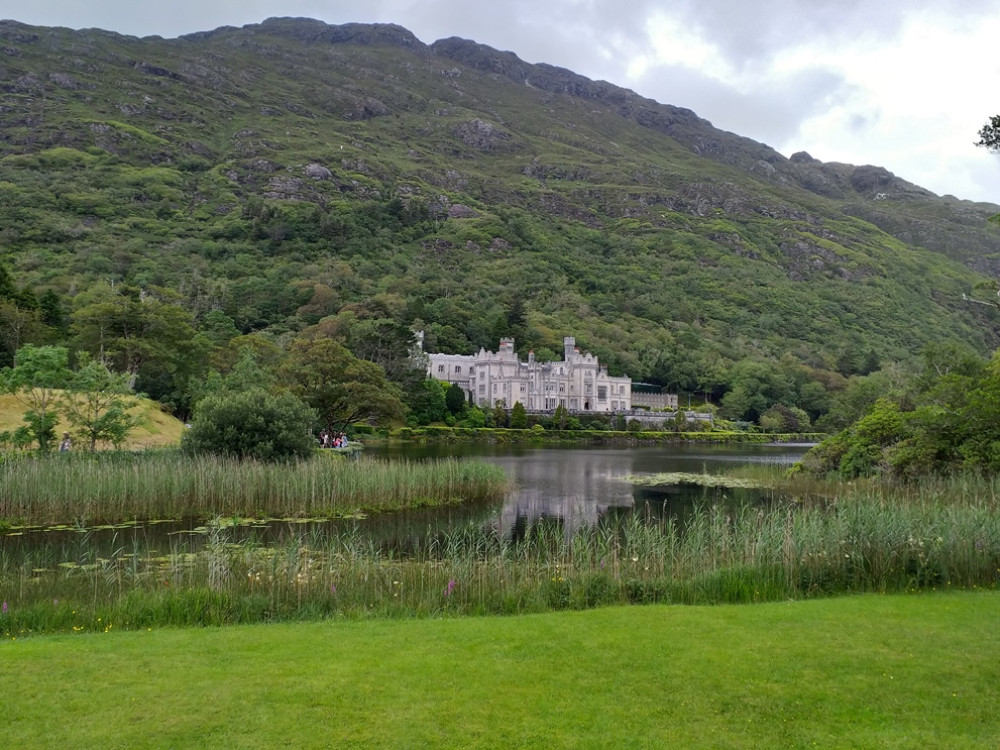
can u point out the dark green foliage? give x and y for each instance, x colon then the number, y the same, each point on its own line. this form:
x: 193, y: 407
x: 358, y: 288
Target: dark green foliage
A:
x: 340, y: 387
x: 455, y: 399
x: 788, y: 419
x: 989, y: 134
x: 51, y: 310
x: 473, y: 417
x: 427, y: 402
x: 252, y: 424
x: 37, y: 376
x: 519, y: 417
x: 945, y: 423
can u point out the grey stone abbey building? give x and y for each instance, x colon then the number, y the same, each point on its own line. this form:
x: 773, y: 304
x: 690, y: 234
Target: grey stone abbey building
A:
x: 579, y: 382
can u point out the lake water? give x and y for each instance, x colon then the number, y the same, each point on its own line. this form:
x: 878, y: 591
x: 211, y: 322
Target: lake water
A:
x: 570, y: 485
x: 579, y: 485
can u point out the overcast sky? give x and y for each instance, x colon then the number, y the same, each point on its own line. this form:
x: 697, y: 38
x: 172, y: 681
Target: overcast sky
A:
x: 903, y: 84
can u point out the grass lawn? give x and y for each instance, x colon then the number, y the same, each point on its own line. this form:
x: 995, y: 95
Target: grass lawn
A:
x: 906, y: 671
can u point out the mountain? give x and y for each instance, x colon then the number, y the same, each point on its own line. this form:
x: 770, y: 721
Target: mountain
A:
x: 291, y: 170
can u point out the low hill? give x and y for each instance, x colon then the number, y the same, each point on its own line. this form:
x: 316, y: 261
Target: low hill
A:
x: 156, y: 429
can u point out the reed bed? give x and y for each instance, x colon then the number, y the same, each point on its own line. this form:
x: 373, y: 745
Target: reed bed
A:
x: 112, y: 488
x: 863, y: 539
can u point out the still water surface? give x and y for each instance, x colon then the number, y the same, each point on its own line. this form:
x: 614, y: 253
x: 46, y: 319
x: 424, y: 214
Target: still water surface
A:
x: 570, y: 485
x: 579, y: 485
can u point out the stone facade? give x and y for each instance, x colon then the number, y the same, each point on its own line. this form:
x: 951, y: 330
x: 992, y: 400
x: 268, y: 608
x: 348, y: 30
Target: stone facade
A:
x: 579, y: 382
x: 657, y: 401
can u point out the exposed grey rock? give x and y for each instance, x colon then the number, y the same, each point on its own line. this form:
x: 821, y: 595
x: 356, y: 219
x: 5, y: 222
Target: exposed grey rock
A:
x: 481, y: 135
x: 63, y: 81
x: 458, y: 211
x: 318, y: 172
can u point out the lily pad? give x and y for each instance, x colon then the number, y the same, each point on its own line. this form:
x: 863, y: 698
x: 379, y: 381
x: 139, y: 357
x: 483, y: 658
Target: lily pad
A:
x: 673, y: 478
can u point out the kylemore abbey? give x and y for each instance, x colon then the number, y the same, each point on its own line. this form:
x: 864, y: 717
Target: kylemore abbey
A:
x: 579, y: 383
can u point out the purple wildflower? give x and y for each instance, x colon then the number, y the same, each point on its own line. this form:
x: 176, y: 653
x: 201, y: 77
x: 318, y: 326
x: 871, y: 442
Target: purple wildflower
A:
x: 451, y: 587
x: 5, y: 606
x: 333, y: 588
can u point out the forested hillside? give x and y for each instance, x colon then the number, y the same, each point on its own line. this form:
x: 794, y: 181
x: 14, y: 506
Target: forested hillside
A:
x: 164, y: 203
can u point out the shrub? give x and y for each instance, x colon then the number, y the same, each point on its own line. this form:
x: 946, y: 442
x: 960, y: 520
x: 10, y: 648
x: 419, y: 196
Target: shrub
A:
x: 252, y: 424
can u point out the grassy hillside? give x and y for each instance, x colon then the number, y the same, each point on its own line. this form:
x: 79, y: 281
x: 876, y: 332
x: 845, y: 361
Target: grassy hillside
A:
x: 289, y: 171
x: 156, y: 429
x: 872, y: 671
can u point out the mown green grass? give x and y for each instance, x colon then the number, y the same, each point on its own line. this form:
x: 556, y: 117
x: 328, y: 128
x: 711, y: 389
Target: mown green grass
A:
x: 905, y: 671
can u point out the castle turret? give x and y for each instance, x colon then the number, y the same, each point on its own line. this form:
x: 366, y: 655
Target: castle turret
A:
x: 569, y: 345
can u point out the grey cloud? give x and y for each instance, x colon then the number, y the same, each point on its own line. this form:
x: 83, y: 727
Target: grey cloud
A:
x: 771, y: 113
x: 751, y: 32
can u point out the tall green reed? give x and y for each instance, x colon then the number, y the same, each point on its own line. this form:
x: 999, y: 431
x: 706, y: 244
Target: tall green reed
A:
x: 862, y: 538
x: 119, y: 487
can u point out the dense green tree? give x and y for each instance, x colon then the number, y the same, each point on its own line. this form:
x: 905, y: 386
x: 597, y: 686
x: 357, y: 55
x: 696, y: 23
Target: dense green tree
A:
x: 8, y: 289
x: 474, y: 417
x: 559, y: 417
x: 38, y: 375
x: 455, y: 399
x: 858, y: 395
x: 781, y: 418
x: 18, y: 326
x: 51, y: 310
x: 519, y: 417
x: 340, y: 387
x: 218, y: 327
x: 131, y: 329
x: 252, y: 424
x: 427, y: 402
x: 949, y: 424
x: 247, y: 374
x: 499, y: 415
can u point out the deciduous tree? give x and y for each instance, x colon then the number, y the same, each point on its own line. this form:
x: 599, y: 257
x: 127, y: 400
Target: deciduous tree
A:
x: 97, y: 403
x: 39, y: 372
x: 340, y: 387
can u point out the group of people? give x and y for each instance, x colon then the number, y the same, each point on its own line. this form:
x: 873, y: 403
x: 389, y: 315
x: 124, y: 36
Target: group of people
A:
x: 332, y: 440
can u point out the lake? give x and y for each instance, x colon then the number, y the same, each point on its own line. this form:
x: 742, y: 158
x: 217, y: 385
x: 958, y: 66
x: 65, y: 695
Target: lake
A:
x: 580, y: 484
x: 572, y: 485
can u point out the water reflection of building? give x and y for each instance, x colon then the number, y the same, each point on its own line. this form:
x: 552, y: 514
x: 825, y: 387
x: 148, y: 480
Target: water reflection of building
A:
x: 575, y: 487
x: 579, y: 383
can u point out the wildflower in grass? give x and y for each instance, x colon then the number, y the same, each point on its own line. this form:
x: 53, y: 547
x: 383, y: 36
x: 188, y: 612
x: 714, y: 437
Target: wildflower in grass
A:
x: 450, y: 588
x: 333, y: 588
x: 5, y: 606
